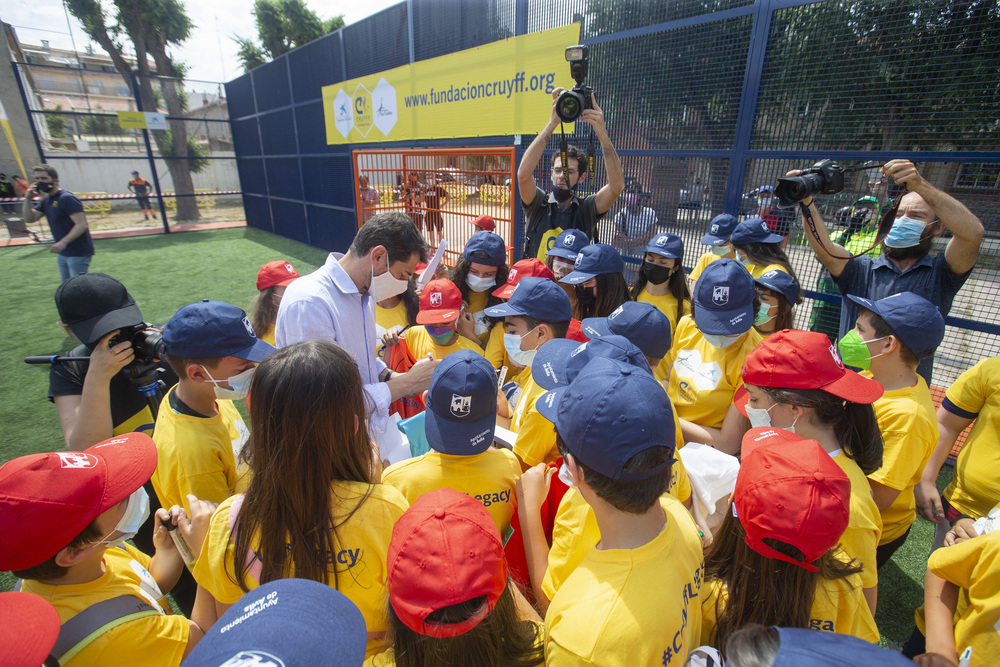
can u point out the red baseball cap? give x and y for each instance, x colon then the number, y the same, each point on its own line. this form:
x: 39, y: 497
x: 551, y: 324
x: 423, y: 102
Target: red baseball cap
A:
x: 523, y: 269
x: 278, y: 273
x: 29, y: 627
x: 485, y: 222
x: 439, y: 302
x: 46, y: 500
x: 793, y: 359
x: 791, y: 490
x: 444, y: 550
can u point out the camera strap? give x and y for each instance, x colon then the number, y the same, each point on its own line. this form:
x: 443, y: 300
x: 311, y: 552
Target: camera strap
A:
x: 884, y: 226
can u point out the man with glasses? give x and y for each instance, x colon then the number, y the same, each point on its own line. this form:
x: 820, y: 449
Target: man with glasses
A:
x: 548, y: 216
x: 905, y: 264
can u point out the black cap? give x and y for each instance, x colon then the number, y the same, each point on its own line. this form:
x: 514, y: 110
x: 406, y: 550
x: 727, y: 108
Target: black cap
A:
x: 95, y: 304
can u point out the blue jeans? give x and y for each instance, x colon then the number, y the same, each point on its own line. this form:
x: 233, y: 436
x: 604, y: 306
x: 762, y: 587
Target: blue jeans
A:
x: 72, y: 266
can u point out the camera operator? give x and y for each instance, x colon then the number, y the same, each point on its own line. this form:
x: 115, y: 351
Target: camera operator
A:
x: 547, y: 216
x: 95, y: 399
x: 905, y: 264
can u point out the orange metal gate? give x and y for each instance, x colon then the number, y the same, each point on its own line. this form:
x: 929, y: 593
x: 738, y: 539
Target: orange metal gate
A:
x: 442, y: 189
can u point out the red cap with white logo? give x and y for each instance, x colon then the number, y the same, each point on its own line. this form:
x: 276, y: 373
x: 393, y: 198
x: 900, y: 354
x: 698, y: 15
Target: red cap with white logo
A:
x: 439, y: 302
x: 523, y: 269
x: 46, y: 500
x: 278, y: 273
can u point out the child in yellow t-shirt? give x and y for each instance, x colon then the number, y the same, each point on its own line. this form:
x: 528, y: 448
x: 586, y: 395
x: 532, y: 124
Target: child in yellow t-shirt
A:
x: 758, y: 249
x: 64, y: 518
x: 459, y: 423
x: 661, y: 281
x: 717, y: 240
x: 272, y: 279
x: 444, y: 327
x: 790, y: 507
x: 213, y: 348
x: 313, y: 508
x: 778, y: 293
x: 393, y: 315
x: 890, y: 338
x: 481, y: 268
x: 496, y: 354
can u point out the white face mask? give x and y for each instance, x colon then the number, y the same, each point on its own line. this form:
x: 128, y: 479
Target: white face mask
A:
x: 136, y: 513
x: 566, y: 477
x: 477, y: 284
x: 239, y: 383
x: 512, y: 343
x: 721, y: 342
x: 386, y: 285
x: 762, y: 417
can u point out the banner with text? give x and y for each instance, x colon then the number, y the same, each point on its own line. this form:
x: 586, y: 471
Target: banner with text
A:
x: 497, y: 89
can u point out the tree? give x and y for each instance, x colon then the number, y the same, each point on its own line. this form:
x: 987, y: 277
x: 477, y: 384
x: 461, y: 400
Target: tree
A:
x: 56, y: 123
x: 282, y: 25
x: 151, y: 26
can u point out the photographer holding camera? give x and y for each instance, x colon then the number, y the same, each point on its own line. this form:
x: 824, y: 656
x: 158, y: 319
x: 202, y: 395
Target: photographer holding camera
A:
x: 905, y: 264
x: 548, y: 216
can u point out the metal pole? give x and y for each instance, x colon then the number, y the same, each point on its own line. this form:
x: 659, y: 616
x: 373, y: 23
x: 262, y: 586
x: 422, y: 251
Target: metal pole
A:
x: 149, y: 155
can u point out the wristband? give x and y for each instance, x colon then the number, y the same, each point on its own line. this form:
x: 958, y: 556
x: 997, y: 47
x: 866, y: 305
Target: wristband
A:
x: 387, y: 376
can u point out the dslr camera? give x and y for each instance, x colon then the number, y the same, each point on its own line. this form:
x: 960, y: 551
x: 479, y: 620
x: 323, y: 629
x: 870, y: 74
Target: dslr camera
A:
x: 571, y: 103
x: 147, y: 344
x: 826, y: 177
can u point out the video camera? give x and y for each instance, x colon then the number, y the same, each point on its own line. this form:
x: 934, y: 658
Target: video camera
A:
x: 571, y: 103
x: 147, y: 343
x: 826, y: 177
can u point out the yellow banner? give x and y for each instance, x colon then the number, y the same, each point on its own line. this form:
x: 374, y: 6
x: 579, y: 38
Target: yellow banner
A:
x: 132, y: 120
x: 498, y: 89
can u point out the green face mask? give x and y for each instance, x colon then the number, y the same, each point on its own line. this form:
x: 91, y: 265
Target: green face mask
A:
x: 720, y: 250
x: 762, y: 315
x: 854, y: 351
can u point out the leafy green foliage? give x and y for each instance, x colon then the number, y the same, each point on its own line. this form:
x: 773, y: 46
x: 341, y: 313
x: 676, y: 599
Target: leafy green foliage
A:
x: 56, y: 124
x: 282, y: 25
x: 198, y: 161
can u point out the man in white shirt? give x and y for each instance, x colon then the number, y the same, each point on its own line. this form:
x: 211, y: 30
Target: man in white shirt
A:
x: 634, y: 226
x: 336, y: 302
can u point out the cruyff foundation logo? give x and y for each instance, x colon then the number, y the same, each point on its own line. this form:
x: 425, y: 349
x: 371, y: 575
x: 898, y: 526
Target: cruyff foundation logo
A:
x: 362, y: 109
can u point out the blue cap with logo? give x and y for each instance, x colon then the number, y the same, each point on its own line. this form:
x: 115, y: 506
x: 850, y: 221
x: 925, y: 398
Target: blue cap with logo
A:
x: 608, y: 414
x: 720, y: 229
x: 461, y: 404
x: 211, y: 329
x: 641, y: 323
x: 916, y: 321
x: 799, y: 646
x: 285, y: 622
x: 559, y: 361
x: 569, y: 243
x: 765, y: 188
x: 782, y: 283
x: 667, y: 245
x: 537, y: 298
x: 593, y: 260
x: 723, y: 299
x: 754, y: 230
x: 490, y: 243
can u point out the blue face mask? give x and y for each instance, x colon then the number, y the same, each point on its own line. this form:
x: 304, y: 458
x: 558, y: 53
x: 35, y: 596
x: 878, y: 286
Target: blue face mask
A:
x: 720, y: 341
x: 720, y: 250
x: 512, y: 344
x: 905, y: 233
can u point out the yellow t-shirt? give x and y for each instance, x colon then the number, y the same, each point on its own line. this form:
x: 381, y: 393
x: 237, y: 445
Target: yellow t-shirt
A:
x: 268, y: 335
x: 704, y: 261
x: 575, y: 531
x: 974, y: 566
x: 704, y: 378
x: 975, y: 486
x: 362, y: 546
x: 536, y: 435
x: 908, y: 422
x: 197, y: 455
x: 148, y: 640
x: 631, y: 606
x: 864, y: 524
x: 421, y: 344
x: 757, y: 271
x: 666, y: 304
x: 838, y: 606
x: 488, y: 477
x: 386, y: 319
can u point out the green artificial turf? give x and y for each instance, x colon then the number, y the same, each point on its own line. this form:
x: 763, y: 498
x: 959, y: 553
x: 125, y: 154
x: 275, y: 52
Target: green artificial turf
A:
x: 165, y: 272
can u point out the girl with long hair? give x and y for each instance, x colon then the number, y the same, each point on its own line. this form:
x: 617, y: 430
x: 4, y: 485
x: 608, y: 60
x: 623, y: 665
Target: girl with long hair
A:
x: 662, y: 281
x: 479, y: 271
x: 272, y: 279
x: 795, y: 380
x: 599, y: 281
x: 774, y: 560
x: 313, y: 508
x: 561, y: 258
x: 450, y: 601
x: 758, y: 249
x: 778, y: 293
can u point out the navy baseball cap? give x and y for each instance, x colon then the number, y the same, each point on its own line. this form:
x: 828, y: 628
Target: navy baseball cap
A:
x: 666, y: 244
x: 537, y: 298
x: 210, y: 329
x: 799, y: 646
x: 782, y: 283
x: 754, y: 230
x: 569, y: 243
x: 285, y: 622
x: 559, y: 361
x: 765, y: 188
x: 593, y: 260
x: 720, y: 229
x: 723, y: 299
x: 641, y: 323
x: 608, y: 414
x: 916, y: 321
x: 462, y: 404
x: 490, y: 243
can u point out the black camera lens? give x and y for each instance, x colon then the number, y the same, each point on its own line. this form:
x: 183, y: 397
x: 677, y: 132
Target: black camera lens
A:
x: 569, y: 106
x: 793, y: 189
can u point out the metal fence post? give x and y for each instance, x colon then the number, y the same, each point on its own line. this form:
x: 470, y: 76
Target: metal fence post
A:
x: 31, y: 115
x: 149, y: 156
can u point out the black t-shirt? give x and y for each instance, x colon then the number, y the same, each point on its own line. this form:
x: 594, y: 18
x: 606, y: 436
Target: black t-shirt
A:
x: 129, y: 409
x: 545, y: 219
x: 57, y: 209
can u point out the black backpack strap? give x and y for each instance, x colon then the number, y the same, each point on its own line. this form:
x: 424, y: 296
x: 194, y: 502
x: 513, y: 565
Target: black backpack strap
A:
x: 79, y: 631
